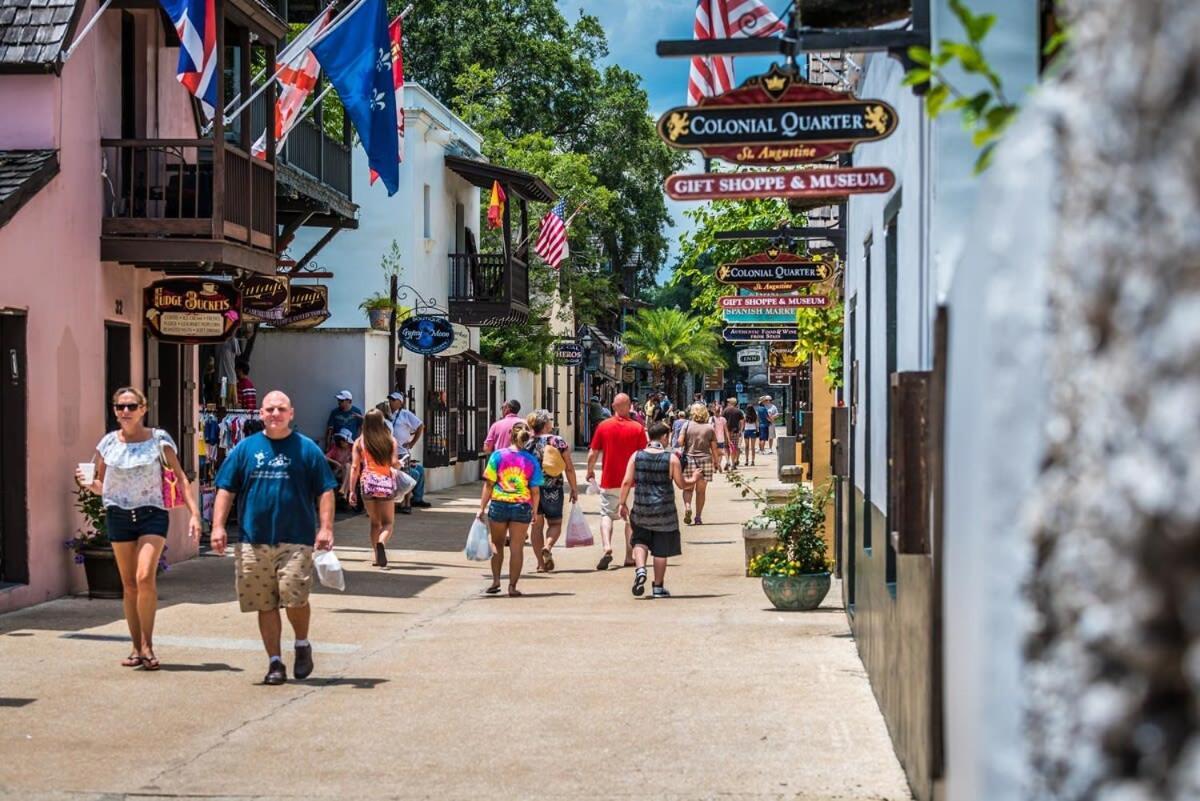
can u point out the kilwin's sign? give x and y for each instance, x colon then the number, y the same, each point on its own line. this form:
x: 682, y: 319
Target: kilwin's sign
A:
x: 742, y: 333
x: 773, y: 267
x: 264, y: 297
x: 307, y: 307
x: 777, y: 118
x: 192, y: 311
x: 426, y: 334
x: 830, y: 183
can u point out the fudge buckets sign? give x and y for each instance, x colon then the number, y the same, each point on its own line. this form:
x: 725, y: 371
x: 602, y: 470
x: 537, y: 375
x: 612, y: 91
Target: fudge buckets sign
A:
x: 425, y: 334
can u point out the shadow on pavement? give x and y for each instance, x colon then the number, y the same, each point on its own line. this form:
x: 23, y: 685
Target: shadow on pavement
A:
x: 342, y: 681
x: 206, y: 667
x: 381, y: 584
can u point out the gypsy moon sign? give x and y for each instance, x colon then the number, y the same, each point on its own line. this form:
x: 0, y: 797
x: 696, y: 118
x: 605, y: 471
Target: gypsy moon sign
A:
x: 426, y: 334
x: 830, y: 183
x: 777, y: 118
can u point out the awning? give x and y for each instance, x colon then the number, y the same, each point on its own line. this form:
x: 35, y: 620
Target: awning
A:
x: 22, y: 174
x: 482, y: 174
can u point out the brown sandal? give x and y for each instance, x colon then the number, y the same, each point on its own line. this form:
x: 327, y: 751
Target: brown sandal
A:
x: 150, y: 663
x: 548, y: 560
x: 513, y: 592
x: 133, y: 660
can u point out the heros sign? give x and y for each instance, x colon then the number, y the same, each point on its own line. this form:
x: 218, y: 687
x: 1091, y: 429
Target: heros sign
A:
x: 191, y: 311
x: 777, y: 118
x: 426, y: 334
x: 569, y: 354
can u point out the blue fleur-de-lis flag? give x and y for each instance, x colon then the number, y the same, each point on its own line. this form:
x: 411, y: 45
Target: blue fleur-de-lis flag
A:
x: 356, y: 55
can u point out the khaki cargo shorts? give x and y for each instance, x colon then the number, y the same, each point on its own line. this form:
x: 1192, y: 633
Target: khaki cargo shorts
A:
x: 273, y: 576
x: 610, y: 503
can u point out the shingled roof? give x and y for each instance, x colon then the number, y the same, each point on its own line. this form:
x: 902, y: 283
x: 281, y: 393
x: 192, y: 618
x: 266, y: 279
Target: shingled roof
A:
x: 22, y: 174
x: 34, y: 32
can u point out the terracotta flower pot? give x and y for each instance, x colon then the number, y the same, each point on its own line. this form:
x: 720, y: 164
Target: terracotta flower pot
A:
x: 103, y: 578
x: 797, y: 593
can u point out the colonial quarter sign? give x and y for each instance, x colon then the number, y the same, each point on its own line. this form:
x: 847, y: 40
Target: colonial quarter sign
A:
x: 777, y: 118
x: 773, y: 266
x: 192, y: 311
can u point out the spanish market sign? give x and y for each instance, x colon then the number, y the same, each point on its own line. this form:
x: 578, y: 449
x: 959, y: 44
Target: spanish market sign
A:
x: 830, y: 183
x: 760, y: 315
x: 307, y: 307
x: 773, y: 266
x: 426, y: 334
x: 191, y: 311
x: 775, y: 119
x: 568, y: 353
x: 744, y: 333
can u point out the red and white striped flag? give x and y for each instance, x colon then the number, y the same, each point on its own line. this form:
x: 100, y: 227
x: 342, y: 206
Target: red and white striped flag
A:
x: 298, y: 73
x: 396, y: 34
x: 725, y: 19
x: 551, y: 243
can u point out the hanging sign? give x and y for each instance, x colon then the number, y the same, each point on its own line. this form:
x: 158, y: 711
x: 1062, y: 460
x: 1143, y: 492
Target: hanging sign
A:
x: 783, y: 357
x: 426, y: 334
x: 715, y: 380
x: 833, y: 183
x: 744, y: 333
x: 773, y: 266
x: 307, y: 307
x: 749, y: 358
x: 766, y: 316
x: 775, y: 119
x: 781, y: 377
x: 792, y: 302
x: 461, y: 343
x: 264, y: 297
x: 191, y: 311
x: 568, y: 353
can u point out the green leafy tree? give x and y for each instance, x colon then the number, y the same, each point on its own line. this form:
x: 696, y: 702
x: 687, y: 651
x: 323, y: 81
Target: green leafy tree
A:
x: 672, y: 341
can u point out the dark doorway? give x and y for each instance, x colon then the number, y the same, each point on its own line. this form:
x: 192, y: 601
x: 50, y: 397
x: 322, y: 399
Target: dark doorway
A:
x: 14, y: 521
x: 116, y: 367
x: 851, y: 516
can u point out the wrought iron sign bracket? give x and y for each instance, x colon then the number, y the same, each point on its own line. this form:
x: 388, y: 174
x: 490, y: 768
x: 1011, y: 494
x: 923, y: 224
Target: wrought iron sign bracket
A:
x: 798, y: 39
x: 422, y: 305
x: 835, y: 235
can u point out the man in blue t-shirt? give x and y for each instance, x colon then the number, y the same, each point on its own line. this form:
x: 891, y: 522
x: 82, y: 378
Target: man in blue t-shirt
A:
x: 346, y: 415
x: 277, y: 476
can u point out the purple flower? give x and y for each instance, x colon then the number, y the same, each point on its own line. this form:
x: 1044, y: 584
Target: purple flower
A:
x: 79, y: 559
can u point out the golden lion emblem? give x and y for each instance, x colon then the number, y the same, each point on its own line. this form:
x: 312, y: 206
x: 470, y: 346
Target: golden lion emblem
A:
x: 677, y: 125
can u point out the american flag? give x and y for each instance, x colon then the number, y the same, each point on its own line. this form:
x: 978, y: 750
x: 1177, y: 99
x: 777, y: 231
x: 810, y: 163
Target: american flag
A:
x: 725, y: 19
x: 551, y: 243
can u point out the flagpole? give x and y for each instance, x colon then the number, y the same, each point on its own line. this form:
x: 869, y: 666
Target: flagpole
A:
x: 279, y: 145
x: 230, y: 115
x: 86, y: 30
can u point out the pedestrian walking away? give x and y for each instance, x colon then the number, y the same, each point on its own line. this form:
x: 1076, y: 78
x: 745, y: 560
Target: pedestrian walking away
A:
x: 618, y: 439
x: 772, y: 416
x: 733, y: 425
x: 650, y: 474
x: 277, y: 477
x: 764, y: 423
x: 750, y: 432
x: 373, y: 478
x: 698, y: 442
x: 554, y: 455
x: 721, y: 428
x: 131, y: 465
x: 499, y: 436
x: 512, y: 482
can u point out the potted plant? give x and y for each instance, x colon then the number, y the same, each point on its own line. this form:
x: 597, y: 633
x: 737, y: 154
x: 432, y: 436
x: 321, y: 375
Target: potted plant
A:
x: 93, y: 550
x: 794, y: 571
x: 379, y: 306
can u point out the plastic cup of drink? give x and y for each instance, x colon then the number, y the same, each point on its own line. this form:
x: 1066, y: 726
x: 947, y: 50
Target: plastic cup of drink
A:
x: 89, y: 471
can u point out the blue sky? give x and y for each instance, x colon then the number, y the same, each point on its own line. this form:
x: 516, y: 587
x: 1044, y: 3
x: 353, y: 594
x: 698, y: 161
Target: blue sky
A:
x: 633, y: 28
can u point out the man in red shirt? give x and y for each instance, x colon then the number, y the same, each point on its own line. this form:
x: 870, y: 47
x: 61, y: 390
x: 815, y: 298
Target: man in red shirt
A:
x: 618, y: 438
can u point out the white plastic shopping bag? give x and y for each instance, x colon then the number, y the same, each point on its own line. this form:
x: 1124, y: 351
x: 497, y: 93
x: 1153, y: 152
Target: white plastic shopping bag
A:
x: 578, y: 533
x: 479, y: 547
x: 329, y: 570
x: 592, y: 488
x: 404, y: 484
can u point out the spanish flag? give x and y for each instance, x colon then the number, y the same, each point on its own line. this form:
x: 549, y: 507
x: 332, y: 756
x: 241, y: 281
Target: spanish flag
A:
x: 496, y: 207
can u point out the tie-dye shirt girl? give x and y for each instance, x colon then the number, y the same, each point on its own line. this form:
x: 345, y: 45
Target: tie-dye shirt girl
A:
x: 515, y: 473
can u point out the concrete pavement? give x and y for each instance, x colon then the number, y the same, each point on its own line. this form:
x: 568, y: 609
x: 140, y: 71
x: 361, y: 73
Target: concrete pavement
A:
x: 424, y: 688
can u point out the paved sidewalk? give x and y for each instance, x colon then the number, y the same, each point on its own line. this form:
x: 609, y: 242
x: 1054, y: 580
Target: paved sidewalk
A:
x: 424, y: 688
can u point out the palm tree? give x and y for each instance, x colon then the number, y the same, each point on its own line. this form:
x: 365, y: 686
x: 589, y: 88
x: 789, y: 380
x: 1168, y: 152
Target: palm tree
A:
x: 672, y: 341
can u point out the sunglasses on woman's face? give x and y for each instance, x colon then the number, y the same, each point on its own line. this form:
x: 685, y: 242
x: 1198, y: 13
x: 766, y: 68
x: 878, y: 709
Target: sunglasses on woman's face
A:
x: 126, y: 407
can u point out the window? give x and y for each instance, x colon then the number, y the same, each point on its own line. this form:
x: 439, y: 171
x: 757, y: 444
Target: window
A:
x: 892, y: 268
x: 437, y: 412
x: 427, y: 216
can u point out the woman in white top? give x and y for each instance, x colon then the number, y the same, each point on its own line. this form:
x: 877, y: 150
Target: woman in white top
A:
x: 129, y: 479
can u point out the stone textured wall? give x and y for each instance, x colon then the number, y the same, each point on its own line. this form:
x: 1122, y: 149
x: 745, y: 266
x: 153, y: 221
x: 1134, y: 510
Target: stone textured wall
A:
x: 1115, y: 654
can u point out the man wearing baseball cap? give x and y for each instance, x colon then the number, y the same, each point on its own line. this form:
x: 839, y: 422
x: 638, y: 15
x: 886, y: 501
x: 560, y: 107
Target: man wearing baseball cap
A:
x: 406, y: 430
x: 346, y: 415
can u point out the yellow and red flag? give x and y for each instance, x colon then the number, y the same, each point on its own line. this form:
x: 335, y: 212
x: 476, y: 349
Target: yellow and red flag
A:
x: 496, y: 207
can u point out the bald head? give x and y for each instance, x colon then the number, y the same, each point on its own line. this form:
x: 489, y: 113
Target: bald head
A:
x: 277, y: 414
x: 620, y: 405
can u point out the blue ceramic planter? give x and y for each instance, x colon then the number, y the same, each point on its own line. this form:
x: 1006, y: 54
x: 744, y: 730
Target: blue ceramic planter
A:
x: 797, y: 593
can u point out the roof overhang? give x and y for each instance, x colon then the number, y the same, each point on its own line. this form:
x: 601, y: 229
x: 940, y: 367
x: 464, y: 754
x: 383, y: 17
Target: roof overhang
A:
x: 23, y: 173
x: 483, y: 174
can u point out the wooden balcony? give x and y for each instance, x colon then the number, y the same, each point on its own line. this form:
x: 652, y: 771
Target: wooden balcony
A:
x: 187, y: 204
x: 488, y: 289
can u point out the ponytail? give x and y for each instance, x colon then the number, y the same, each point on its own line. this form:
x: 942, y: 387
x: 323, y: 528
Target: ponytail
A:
x: 521, y: 434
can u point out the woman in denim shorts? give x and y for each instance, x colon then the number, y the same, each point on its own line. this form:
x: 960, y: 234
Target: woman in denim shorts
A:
x: 512, y: 484
x: 129, y: 480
